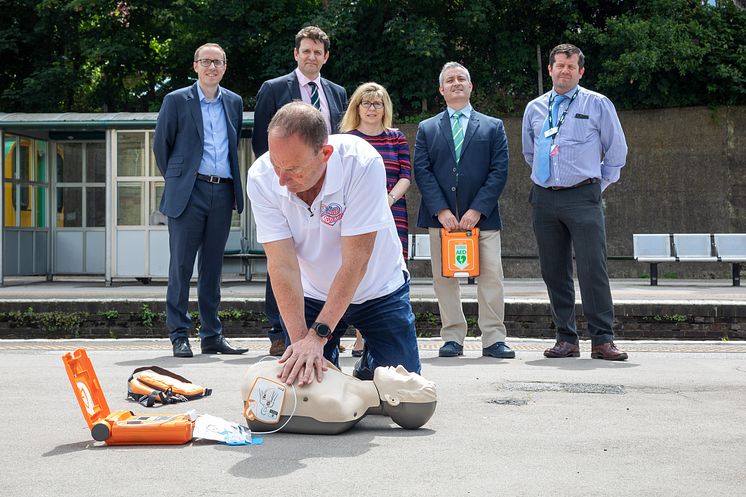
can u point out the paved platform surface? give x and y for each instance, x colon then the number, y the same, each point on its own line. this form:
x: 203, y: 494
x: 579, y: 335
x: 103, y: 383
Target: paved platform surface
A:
x: 624, y: 291
x: 668, y: 422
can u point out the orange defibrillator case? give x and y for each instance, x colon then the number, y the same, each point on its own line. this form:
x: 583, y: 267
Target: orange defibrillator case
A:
x: 460, y: 253
x: 120, y: 427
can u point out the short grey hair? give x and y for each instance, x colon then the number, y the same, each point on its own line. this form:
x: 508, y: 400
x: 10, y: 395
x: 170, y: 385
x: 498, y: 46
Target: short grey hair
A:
x: 452, y: 65
x: 301, y: 119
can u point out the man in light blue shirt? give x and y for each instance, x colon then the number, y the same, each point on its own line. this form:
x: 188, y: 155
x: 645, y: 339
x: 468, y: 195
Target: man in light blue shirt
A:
x: 215, y: 152
x: 196, y: 150
x: 575, y: 145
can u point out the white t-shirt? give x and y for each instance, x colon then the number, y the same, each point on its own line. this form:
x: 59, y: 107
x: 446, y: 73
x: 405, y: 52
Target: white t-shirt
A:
x: 352, y: 201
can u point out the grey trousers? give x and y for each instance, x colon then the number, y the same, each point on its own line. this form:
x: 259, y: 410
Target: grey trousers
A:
x: 566, y: 221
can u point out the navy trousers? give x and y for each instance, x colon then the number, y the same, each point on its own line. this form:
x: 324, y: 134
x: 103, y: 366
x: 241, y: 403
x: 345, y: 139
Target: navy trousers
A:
x: 386, y: 323
x: 573, y: 220
x: 203, y: 227
x: 276, y: 332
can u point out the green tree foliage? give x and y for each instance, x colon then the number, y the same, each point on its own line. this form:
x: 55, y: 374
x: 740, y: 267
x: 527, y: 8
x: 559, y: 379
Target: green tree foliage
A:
x: 125, y: 55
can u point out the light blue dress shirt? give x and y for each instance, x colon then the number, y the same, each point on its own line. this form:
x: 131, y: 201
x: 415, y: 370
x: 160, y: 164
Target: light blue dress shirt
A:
x: 591, y: 140
x: 465, y: 115
x: 215, y: 160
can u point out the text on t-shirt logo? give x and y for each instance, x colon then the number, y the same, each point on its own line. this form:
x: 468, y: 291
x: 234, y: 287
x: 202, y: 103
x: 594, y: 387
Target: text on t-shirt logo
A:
x: 331, y: 213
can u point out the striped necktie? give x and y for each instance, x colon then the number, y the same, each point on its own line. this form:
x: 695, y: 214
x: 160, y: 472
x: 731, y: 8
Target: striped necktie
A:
x: 315, y: 100
x: 458, y: 134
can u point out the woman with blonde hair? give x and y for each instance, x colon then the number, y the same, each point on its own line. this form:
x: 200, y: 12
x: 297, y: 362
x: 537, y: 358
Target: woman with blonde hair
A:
x: 369, y: 115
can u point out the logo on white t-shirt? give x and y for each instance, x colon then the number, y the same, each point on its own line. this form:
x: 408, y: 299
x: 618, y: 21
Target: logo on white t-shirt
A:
x: 331, y: 213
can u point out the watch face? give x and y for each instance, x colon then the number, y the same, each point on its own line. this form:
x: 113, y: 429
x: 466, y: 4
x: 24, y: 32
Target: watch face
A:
x: 322, y: 329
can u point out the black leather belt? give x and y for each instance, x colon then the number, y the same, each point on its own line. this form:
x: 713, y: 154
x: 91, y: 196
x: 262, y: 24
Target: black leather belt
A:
x: 588, y: 181
x: 213, y: 179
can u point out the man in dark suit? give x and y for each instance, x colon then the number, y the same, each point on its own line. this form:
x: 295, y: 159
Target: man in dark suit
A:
x: 461, y: 166
x: 305, y: 83
x: 196, y: 149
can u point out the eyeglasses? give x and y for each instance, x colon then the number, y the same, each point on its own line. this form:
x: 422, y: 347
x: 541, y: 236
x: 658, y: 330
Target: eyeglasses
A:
x: 206, y: 62
x: 375, y: 105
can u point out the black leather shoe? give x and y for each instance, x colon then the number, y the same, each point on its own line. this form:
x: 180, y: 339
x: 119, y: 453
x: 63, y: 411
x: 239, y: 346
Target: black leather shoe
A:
x: 219, y: 345
x: 182, y: 348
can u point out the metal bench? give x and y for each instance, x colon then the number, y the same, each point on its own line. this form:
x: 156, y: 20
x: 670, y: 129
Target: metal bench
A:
x: 419, y: 247
x: 731, y: 247
x: 653, y: 249
x: 690, y: 247
x: 246, y: 256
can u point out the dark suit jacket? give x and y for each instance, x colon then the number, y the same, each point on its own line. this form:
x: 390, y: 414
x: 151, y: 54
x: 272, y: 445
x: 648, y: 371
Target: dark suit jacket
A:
x: 277, y: 92
x: 179, y: 142
x: 475, y: 182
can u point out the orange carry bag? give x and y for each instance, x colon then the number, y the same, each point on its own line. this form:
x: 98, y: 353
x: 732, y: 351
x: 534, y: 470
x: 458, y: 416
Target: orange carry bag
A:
x: 120, y: 427
x: 460, y: 253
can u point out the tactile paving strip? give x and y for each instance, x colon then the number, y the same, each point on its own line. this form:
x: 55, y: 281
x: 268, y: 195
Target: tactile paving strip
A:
x: 424, y: 345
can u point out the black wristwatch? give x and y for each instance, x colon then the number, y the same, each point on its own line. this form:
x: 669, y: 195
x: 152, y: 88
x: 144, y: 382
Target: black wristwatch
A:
x: 322, y: 330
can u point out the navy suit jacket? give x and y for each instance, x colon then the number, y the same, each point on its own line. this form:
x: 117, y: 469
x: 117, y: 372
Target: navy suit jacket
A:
x: 277, y: 92
x: 179, y: 143
x: 475, y: 182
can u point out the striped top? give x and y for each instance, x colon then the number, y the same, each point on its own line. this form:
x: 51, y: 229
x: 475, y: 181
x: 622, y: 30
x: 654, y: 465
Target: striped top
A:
x: 393, y: 147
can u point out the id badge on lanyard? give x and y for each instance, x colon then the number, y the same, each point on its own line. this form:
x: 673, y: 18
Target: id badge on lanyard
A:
x: 554, y: 130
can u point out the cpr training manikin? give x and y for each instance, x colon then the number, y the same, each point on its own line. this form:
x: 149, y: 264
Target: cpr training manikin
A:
x: 337, y: 403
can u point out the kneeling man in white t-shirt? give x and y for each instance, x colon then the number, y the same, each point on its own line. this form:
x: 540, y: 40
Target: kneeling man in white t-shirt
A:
x: 333, y: 253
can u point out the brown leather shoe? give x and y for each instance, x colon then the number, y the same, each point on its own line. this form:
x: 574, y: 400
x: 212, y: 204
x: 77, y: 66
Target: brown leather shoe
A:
x: 277, y: 348
x: 608, y: 351
x: 563, y: 349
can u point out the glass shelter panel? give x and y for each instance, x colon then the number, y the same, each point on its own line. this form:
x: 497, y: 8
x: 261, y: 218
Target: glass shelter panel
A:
x: 41, y: 206
x: 129, y: 203
x: 95, y: 166
x: 41, y: 162
x: 130, y: 154
x: 9, y: 196
x: 69, y: 163
x: 69, y: 207
x: 9, y: 161
x: 95, y: 206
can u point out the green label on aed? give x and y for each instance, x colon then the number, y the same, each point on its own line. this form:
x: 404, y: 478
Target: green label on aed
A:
x: 461, y: 258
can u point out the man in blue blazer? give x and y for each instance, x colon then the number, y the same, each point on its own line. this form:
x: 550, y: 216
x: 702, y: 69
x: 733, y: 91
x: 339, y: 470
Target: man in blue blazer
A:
x: 461, y: 166
x: 305, y: 83
x: 196, y: 149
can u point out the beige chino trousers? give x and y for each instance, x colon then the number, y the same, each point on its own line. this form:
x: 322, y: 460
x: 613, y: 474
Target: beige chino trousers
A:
x: 490, y: 292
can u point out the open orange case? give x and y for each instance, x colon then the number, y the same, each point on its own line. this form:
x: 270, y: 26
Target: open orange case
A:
x: 460, y: 253
x: 120, y: 427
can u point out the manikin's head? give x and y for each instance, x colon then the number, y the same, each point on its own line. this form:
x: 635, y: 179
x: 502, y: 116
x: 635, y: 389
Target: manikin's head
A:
x: 407, y: 397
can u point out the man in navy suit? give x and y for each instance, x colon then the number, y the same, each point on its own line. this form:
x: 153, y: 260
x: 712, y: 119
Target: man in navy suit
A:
x: 305, y: 83
x: 461, y: 166
x: 196, y: 149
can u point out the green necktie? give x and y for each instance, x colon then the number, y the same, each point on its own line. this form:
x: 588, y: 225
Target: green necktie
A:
x: 315, y: 100
x: 458, y: 134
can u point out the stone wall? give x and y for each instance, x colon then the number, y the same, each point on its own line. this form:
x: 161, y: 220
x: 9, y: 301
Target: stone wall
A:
x: 680, y: 321
x: 685, y: 173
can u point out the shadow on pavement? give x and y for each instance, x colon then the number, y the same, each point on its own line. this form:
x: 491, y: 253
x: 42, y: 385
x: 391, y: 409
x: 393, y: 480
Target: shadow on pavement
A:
x: 579, y: 364
x: 284, y: 453
x: 91, y: 445
x: 461, y: 361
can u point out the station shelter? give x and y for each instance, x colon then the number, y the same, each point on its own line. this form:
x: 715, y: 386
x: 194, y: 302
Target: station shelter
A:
x: 80, y: 196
